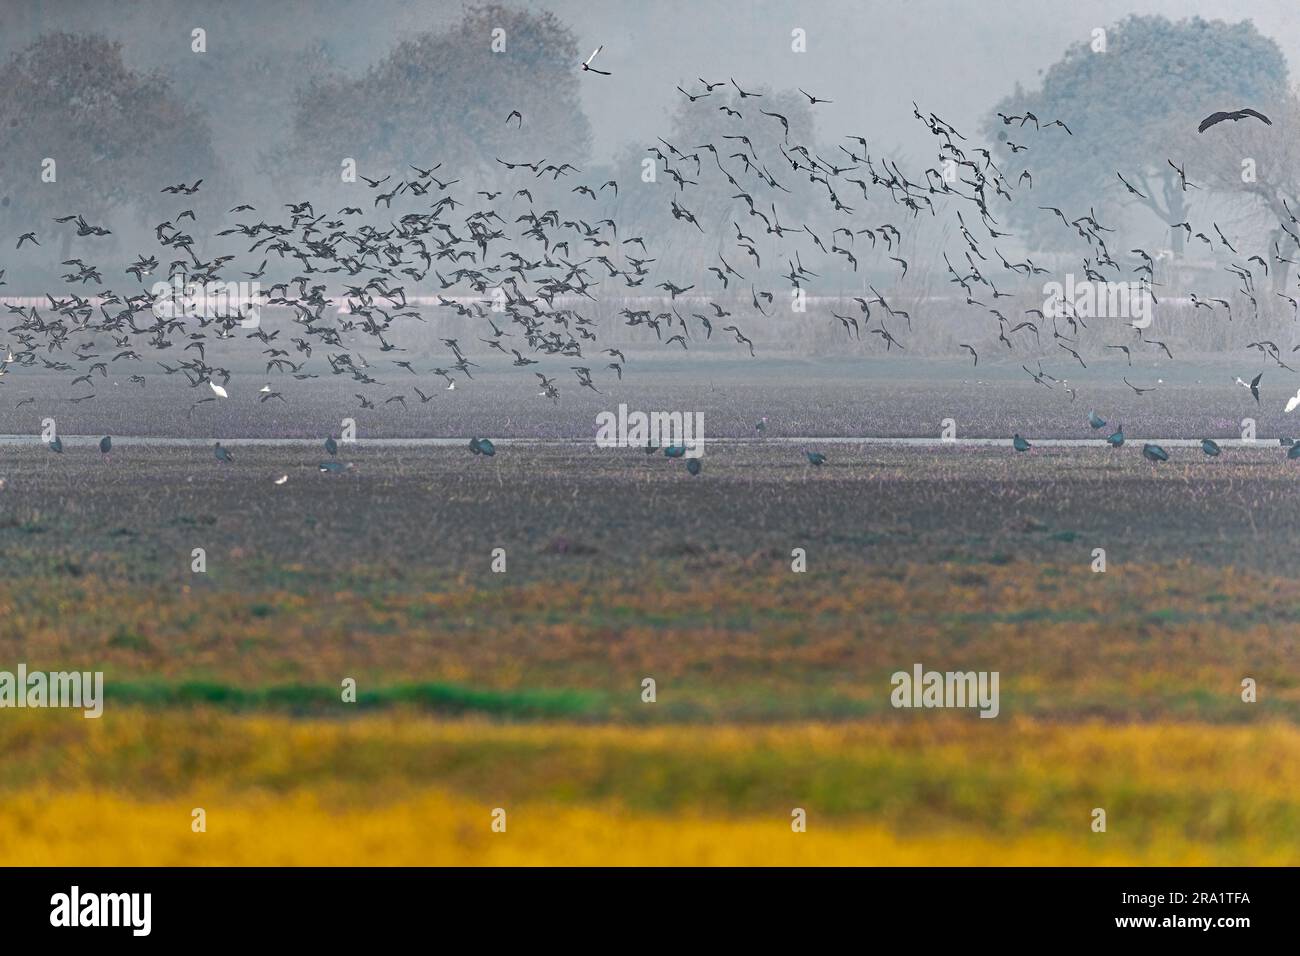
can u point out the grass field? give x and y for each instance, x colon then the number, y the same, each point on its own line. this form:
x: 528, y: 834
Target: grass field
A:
x: 408, y: 788
x: 522, y: 691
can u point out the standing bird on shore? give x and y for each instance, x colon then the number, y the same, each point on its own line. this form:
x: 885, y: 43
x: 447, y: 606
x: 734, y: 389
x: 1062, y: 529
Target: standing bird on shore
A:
x: 106, y: 448
x: 221, y: 454
x: 815, y: 457
x: 56, y: 444
x: 1019, y: 444
x: 331, y: 446
x: 1154, y: 453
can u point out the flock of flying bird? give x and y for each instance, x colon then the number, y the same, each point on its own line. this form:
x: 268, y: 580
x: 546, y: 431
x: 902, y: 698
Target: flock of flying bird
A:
x: 530, y: 273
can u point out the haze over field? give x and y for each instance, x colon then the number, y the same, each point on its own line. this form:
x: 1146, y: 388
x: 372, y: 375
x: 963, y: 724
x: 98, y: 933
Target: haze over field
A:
x: 955, y: 58
x: 310, y: 317
x: 871, y: 59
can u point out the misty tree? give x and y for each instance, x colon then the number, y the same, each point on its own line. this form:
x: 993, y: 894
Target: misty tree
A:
x: 116, y: 136
x: 1126, y: 107
x: 1261, y: 164
x: 258, y: 90
x: 444, y: 96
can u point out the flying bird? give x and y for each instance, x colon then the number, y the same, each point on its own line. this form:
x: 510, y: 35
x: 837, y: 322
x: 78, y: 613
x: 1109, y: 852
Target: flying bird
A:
x: 1215, y: 118
x: 588, y: 68
x: 814, y: 100
x: 1130, y: 187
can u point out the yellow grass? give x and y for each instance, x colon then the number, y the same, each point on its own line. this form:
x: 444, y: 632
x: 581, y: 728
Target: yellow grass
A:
x: 91, y: 829
x: 404, y: 789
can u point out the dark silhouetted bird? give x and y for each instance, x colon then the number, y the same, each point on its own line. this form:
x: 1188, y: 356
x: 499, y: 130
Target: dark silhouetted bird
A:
x: 1223, y: 116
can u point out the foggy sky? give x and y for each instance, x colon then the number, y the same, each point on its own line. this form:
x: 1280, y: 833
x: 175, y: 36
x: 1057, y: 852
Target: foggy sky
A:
x: 872, y: 57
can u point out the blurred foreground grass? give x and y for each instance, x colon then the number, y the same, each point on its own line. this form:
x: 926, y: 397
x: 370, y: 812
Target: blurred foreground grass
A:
x: 405, y: 788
